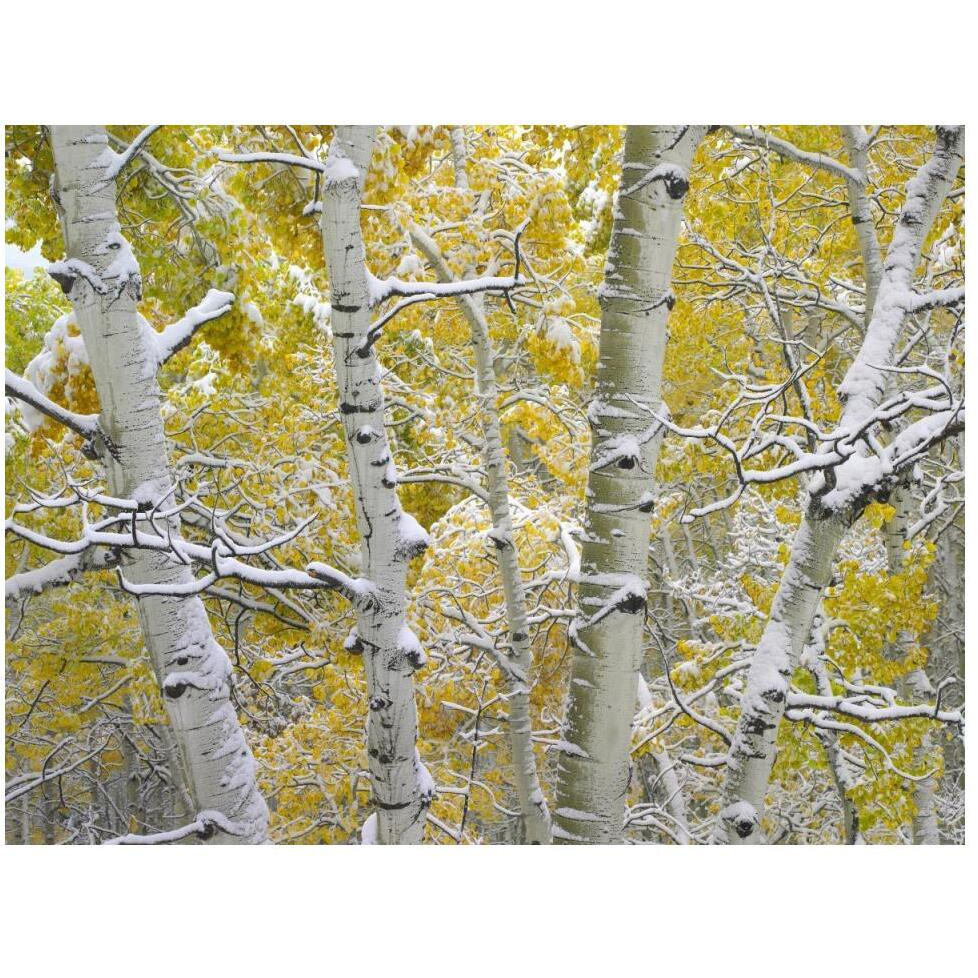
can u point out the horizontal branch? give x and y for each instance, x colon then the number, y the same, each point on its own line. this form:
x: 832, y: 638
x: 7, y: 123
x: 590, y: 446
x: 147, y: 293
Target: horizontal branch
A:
x: 286, y: 159
x: 381, y: 289
x: 787, y: 150
x: 56, y: 573
x: 867, y: 713
x: 934, y: 300
x: 203, y: 826
x: 220, y: 558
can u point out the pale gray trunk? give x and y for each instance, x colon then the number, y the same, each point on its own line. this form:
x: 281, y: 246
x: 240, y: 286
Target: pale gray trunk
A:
x: 809, y: 568
x: 855, y: 138
x: 837, y: 766
x: 533, y: 805
x: 671, y: 794
x: 389, y: 538
x: 193, y: 671
x: 787, y: 631
x: 460, y: 156
x: 916, y: 686
x: 593, y: 767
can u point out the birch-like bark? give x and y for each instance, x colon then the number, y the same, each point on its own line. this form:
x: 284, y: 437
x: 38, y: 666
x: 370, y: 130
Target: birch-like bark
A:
x: 101, y: 278
x: 607, y: 637
x: 856, y: 141
x: 666, y: 786
x: 830, y: 740
x: 389, y: 538
x: 533, y: 805
x: 809, y: 568
x: 925, y: 829
x: 460, y: 157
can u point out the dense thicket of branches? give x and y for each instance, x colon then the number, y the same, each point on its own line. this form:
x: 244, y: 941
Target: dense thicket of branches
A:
x: 485, y: 484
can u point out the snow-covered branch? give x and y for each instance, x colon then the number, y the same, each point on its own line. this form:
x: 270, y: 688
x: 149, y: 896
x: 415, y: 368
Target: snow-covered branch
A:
x: 63, y: 570
x: 177, y: 335
x: 221, y: 558
x: 286, y: 159
x: 203, y: 826
x: 381, y: 289
x: 85, y: 425
x: 765, y: 140
x: 120, y: 160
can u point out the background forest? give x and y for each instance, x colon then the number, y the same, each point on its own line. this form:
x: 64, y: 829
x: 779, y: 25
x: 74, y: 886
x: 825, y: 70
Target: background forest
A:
x: 485, y: 484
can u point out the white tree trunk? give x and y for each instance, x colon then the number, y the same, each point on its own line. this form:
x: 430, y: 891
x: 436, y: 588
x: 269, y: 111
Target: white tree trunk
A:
x: 533, y: 805
x: 855, y: 138
x: 101, y: 278
x: 593, y: 767
x: 809, y: 568
x: 402, y: 788
x: 837, y: 766
x: 788, y: 629
x: 916, y: 685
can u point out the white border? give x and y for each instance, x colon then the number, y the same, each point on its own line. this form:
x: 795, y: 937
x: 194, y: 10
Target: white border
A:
x: 186, y: 912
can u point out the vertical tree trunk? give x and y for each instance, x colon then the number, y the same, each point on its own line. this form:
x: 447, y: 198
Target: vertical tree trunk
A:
x: 101, y: 278
x: 607, y: 636
x: 861, y: 215
x: 788, y: 629
x: 916, y: 685
x: 809, y: 568
x: 402, y: 787
x: 533, y: 805
x: 830, y: 740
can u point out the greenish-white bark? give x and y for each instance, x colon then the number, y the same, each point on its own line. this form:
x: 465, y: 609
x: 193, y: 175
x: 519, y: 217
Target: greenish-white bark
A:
x: 389, y: 537
x: 101, y: 278
x: 827, y: 515
x: 533, y: 805
x: 636, y: 297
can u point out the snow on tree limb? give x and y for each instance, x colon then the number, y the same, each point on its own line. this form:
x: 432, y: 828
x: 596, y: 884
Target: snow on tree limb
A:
x: 177, y: 335
x: 85, y: 425
x: 120, y: 160
x: 765, y: 140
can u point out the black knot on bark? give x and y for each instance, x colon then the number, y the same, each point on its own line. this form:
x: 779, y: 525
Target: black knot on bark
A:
x: 64, y: 280
x: 377, y: 703
x: 346, y: 407
x: 415, y: 658
x: 743, y: 827
x: 754, y: 726
x: 626, y: 462
x: 175, y: 691
x: 676, y: 186
x: 631, y: 604
x: 411, y: 548
x: 207, y: 830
